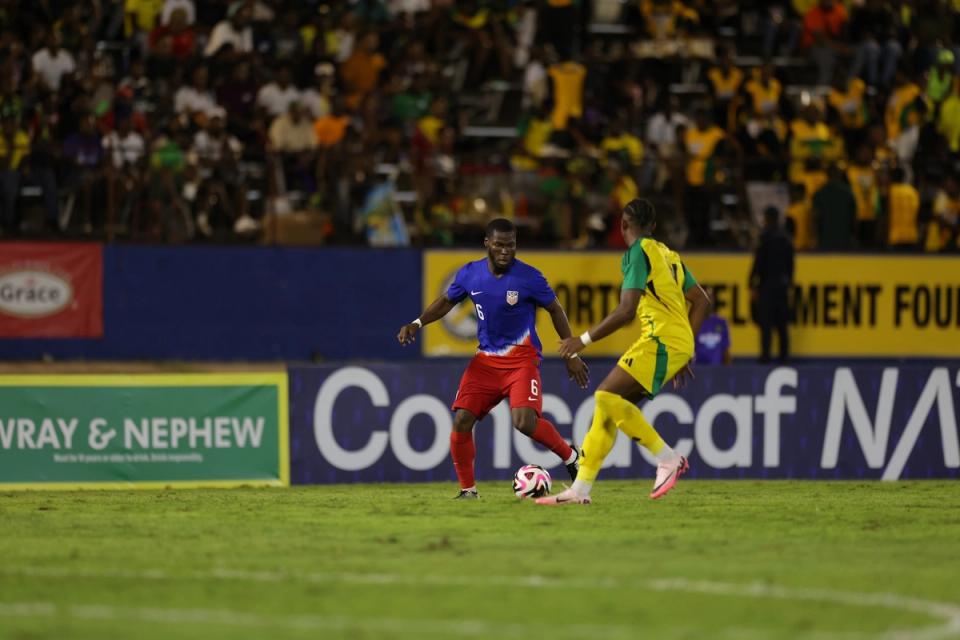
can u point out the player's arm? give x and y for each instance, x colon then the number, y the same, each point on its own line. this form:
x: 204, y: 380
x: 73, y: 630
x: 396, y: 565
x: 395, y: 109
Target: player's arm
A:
x: 699, y: 307
x: 621, y: 316
x: 576, y: 368
x: 436, y: 310
x: 559, y: 318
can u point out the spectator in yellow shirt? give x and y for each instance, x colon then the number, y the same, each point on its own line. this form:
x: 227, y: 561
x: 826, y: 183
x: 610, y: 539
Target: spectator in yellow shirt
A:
x: 810, y: 137
x: 700, y: 144
x: 764, y: 91
x: 847, y: 100
x: 948, y: 123
x: 863, y: 182
x: 725, y: 81
x: 943, y: 230
x: 664, y: 18
x: 900, y: 106
x: 622, y: 145
x: 568, y: 80
x: 14, y: 146
x: 903, y: 206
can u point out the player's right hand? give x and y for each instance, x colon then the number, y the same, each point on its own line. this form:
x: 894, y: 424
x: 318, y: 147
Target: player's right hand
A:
x: 408, y: 333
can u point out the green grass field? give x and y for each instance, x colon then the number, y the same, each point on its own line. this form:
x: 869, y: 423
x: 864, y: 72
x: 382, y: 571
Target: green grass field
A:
x: 712, y: 560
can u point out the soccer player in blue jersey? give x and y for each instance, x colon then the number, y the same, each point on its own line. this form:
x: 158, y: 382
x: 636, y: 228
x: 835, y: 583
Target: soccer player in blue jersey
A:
x: 506, y: 293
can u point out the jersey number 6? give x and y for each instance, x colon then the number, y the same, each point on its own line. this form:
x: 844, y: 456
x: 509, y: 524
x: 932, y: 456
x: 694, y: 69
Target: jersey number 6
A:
x: 480, y: 312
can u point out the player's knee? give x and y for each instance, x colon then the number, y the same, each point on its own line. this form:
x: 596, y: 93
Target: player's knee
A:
x: 463, y: 422
x: 525, y: 424
x: 603, y: 396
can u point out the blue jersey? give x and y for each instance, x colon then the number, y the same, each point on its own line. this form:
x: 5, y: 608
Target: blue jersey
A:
x: 506, y: 307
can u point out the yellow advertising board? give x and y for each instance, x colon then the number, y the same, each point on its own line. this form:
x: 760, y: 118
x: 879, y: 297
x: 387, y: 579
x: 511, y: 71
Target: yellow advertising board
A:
x: 842, y: 306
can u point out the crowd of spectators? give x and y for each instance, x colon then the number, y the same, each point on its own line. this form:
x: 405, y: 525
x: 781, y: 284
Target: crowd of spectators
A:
x: 410, y: 121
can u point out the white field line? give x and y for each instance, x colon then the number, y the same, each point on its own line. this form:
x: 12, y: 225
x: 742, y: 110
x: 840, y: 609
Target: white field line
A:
x: 947, y: 614
x: 311, y: 623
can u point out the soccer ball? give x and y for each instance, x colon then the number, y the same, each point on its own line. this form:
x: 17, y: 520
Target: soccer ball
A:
x: 531, y: 481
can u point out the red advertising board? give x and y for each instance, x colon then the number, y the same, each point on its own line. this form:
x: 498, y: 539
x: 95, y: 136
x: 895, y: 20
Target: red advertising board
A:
x: 51, y: 290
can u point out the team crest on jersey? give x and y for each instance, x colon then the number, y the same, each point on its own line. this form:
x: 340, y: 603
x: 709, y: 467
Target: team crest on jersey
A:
x: 513, y: 297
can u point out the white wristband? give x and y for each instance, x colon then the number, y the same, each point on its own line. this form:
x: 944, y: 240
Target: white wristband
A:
x: 576, y: 355
x: 418, y: 323
x: 585, y: 338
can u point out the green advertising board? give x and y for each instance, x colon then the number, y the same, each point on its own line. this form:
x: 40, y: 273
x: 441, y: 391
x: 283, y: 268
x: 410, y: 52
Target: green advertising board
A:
x: 153, y: 430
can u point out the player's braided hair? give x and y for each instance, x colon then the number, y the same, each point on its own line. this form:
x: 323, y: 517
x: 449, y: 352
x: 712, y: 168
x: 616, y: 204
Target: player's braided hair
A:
x: 640, y: 212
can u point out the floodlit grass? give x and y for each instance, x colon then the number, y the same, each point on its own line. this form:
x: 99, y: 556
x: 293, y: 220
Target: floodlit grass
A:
x: 712, y: 560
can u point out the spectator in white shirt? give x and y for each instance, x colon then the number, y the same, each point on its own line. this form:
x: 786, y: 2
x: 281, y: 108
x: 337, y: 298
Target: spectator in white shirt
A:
x: 276, y: 97
x: 53, y: 63
x: 124, y: 146
x: 195, y: 99
x: 221, y: 199
x: 234, y: 31
x: 125, y: 151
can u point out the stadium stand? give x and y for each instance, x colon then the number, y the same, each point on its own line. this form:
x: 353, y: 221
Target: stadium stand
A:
x: 409, y: 121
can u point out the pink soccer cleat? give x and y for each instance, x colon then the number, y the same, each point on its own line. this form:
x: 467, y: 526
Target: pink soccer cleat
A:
x: 567, y: 496
x: 667, y: 475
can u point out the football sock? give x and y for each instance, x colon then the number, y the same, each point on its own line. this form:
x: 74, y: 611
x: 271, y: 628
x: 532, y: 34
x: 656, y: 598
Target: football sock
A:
x: 581, y: 487
x: 598, y: 443
x: 629, y: 419
x: 667, y: 454
x: 463, y: 451
x: 546, y: 434
x: 572, y: 458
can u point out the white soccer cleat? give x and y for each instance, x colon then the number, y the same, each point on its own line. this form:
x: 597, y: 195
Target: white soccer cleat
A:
x: 567, y: 496
x: 667, y: 475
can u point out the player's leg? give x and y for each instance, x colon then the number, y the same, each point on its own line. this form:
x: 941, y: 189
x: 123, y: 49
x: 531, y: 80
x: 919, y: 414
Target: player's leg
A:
x: 615, y: 407
x: 596, y: 446
x: 538, y: 428
x: 463, y: 451
x: 526, y: 409
x: 641, y: 372
x: 478, y: 393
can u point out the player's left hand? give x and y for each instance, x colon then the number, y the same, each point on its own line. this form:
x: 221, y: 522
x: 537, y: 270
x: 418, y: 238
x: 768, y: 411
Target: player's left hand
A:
x: 578, y: 370
x: 570, y: 346
x: 685, y: 374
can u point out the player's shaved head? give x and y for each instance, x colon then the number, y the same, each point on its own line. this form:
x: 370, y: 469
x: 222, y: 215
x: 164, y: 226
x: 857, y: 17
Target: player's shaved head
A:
x: 640, y: 214
x: 500, y: 224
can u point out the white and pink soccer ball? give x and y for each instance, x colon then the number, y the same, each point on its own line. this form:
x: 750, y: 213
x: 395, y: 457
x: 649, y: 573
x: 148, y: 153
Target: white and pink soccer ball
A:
x: 531, y: 481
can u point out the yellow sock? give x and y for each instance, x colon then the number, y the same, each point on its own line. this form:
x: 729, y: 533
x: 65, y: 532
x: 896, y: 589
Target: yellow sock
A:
x: 629, y: 419
x: 598, y: 443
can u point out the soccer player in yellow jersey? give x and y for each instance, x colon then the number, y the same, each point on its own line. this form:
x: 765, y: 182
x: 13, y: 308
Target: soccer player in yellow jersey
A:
x: 670, y: 307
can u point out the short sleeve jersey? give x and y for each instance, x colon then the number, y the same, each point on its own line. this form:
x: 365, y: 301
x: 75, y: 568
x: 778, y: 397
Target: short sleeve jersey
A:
x: 655, y: 269
x: 506, y: 309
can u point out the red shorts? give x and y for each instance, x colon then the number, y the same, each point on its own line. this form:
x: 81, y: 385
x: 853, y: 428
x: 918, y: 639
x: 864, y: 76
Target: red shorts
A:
x: 483, y: 386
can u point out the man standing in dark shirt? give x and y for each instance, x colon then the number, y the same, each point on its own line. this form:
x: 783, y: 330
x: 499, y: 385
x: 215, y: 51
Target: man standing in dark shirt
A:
x: 770, y: 282
x: 835, y: 213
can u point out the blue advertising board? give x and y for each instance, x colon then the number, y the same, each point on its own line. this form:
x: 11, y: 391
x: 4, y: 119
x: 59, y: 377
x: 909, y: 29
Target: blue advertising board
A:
x: 244, y: 303
x: 391, y: 422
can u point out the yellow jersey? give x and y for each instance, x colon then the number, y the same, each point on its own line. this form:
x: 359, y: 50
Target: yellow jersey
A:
x: 899, y: 112
x: 904, y: 206
x: 657, y: 271
x: 700, y: 146
x: 850, y: 104
x: 725, y: 86
x: 568, y: 80
x: 765, y: 97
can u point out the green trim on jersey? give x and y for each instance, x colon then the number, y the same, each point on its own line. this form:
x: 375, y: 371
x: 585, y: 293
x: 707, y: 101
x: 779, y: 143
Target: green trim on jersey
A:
x: 660, y: 369
x: 689, y: 282
x: 635, y: 267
